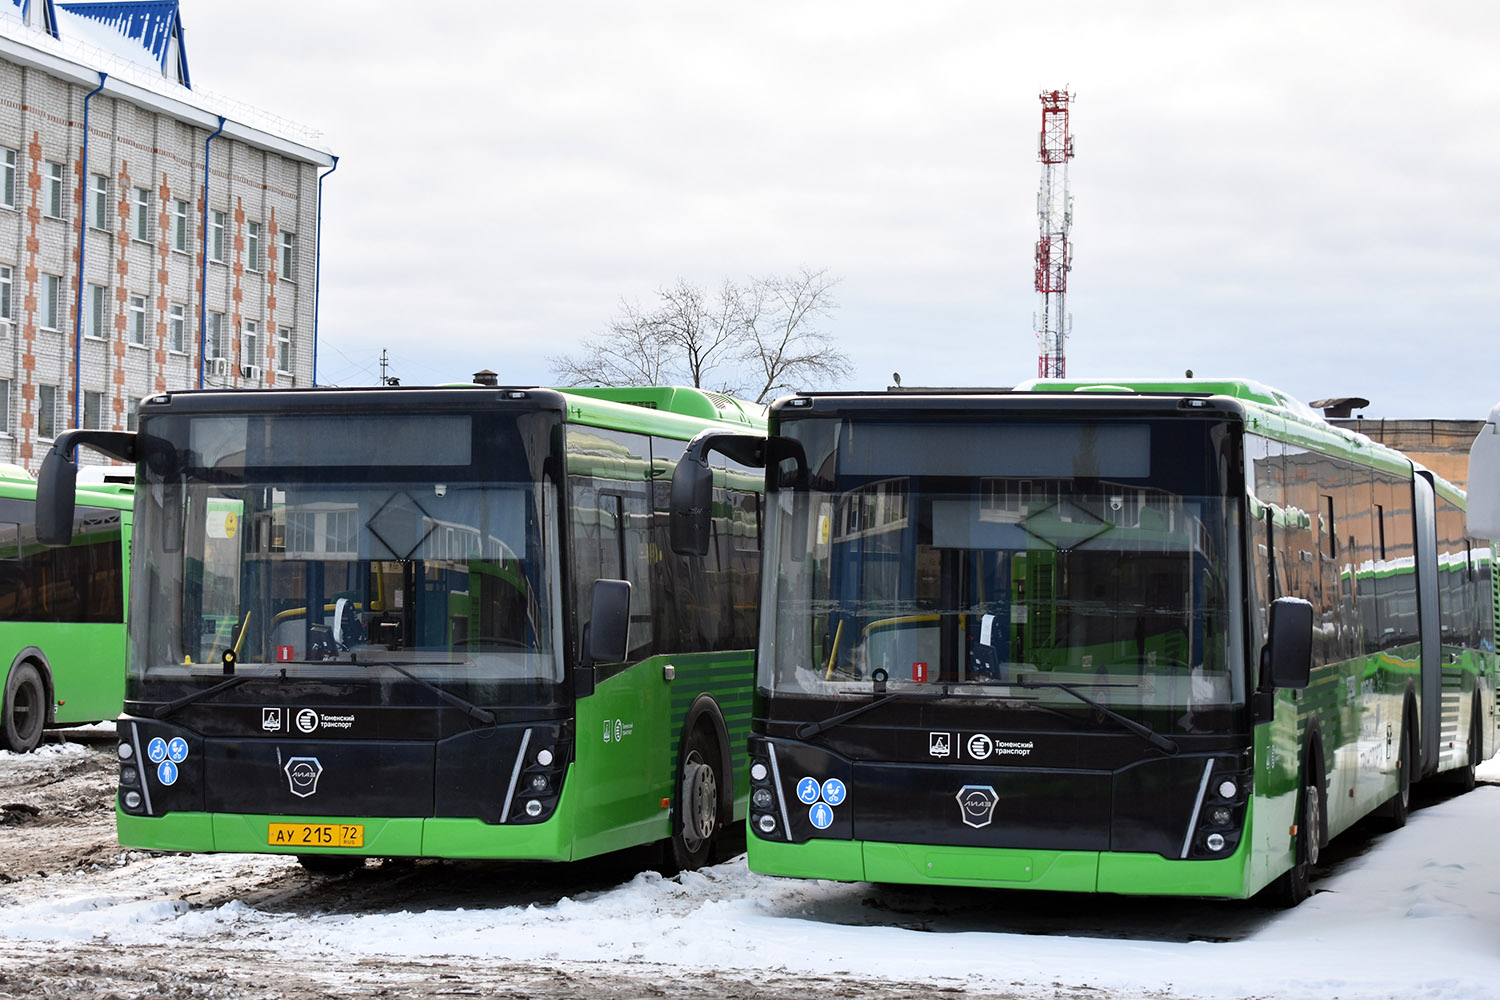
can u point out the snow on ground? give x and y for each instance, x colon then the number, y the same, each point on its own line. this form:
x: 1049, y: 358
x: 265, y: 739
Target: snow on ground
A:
x: 1417, y: 915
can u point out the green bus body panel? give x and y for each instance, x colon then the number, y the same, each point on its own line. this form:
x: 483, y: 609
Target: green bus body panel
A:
x: 84, y: 662
x: 985, y: 867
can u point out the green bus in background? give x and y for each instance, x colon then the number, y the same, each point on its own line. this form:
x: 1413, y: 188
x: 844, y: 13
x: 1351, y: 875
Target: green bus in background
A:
x: 435, y: 622
x: 62, y: 612
x: 1157, y: 637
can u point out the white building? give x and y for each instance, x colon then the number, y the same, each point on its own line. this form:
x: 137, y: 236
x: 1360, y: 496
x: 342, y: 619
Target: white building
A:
x: 195, y: 221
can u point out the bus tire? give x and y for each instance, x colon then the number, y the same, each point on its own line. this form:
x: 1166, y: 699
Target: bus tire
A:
x: 695, y: 823
x: 1463, y: 779
x: 24, y: 711
x: 1392, y: 815
x: 1295, y: 884
x: 330, y: 865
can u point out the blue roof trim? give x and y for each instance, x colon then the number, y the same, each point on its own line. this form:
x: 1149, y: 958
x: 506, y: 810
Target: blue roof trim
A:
x: 154, y: 24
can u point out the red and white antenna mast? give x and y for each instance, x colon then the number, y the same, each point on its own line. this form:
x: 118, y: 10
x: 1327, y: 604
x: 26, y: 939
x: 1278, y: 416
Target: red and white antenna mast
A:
x: 1054, y: 255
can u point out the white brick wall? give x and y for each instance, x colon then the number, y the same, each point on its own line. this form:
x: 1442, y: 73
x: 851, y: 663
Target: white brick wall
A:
x: 137, y: 146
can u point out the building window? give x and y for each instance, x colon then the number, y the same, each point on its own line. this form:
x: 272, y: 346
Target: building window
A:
x: 4, y: 292
x: 132, y: 413
x: 250, y: 343
x: 53, y: 190
x: 284, y: 349
x: 143, y: 213
x: 99, y: 201
x: 93, y: 410
x: 8, y: 178
x: 180, y: 226
x: 213, y: 347
x: 177, y: 326
x: 46, y: 412
x: 216, y: 236
x: 94, y: 311
x: 288, y: 243
x: 4, y: 406
x: 137, y: 319
x: 51, y: 299
x: 252, y: 246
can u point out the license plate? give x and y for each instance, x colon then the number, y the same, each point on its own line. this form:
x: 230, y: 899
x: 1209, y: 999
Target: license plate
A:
x: 316, y: 835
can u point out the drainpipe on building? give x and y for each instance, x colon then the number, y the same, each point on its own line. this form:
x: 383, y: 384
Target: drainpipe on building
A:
x: 318, y: 268
x: 203, y: 288
x: 83, y: 229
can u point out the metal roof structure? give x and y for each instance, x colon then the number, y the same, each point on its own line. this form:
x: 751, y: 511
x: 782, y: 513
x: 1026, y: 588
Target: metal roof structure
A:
x: 154, y: 26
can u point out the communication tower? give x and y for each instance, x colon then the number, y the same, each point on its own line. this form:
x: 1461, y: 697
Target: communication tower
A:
x: 1054, y: 255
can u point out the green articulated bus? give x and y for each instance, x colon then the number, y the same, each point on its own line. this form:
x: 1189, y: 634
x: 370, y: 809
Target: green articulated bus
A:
x: 1158, y: 638
x: 62, y: 612
x: 437, y: 622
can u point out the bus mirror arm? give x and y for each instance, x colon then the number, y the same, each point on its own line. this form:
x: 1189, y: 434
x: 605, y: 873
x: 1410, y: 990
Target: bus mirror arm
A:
x: 58, y: 479
x: 691, y: 511
x: 1286, y: 658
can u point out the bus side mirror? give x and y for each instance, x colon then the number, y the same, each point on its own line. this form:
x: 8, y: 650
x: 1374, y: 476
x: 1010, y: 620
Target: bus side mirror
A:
x: 1286, y: 660
x: 692, y: 505
x: 1484, y: 480
x: 608, y: 635
x: 55, y: 495
x: 691, y: 512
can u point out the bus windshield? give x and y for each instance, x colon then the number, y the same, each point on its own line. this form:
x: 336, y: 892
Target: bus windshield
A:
x: 1008, y: 561
x: 327, y: 545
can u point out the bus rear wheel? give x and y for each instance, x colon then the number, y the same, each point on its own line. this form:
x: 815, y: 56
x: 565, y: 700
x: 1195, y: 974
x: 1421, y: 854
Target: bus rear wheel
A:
x: 1463, y: 779
x: 1393, y: 813
x: 24, y: 711
x: 696, y: 825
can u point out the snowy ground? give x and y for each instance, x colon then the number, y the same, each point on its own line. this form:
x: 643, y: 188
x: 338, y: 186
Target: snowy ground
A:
x: 1412, y: 914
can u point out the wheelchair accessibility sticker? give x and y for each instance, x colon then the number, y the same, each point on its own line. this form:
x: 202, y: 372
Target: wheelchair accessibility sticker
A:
x: 821, y: 799
x: 166, y: 756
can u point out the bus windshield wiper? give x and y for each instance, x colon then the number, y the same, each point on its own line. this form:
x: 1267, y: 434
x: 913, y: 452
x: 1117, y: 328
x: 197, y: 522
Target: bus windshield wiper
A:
x: 810, y: 729
x: 470, y: 709
x: 1163, y: 743
x: 162, y: 711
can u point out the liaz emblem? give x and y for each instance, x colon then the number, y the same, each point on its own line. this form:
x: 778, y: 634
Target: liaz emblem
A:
x: 302, y: 773
x: 976, y: 804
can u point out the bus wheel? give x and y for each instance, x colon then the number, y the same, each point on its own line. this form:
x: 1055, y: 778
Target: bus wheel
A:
x: 1393, y: 814
x: 1463, y: 779
x: 25, y: 709
x: 1295, y: 884
x: 697, y: 821
x: 330, y: 865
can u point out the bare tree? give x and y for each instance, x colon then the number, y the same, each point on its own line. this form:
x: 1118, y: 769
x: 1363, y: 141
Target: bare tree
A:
x: 752, y: 340
x: 784, y: 347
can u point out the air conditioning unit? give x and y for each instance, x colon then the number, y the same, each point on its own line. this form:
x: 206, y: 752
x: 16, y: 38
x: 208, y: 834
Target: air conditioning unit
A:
x: 219, y: 367
x: 251, y: 372
x: 4, y: 328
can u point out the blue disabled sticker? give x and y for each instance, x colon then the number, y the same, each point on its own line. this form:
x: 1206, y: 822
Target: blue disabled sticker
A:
x: 808, y: 790
x: 821, y: 815
x: 166, y: 772
x: 834, y: 792
x: 177, y: 750
x: 157, y: 750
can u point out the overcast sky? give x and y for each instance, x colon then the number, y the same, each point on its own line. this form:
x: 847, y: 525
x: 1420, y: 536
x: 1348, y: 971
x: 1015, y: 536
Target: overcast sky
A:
x: 1303, y: 193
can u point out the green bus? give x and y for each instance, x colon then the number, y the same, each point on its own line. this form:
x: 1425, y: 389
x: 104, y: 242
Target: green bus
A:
x: 430, y: 622
x: 62, y: 612
x: 1158, y: 638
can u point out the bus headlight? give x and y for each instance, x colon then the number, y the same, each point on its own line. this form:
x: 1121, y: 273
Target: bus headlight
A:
x: 1215, y: 842
x: 758, y: 771
x: 129, y: 776
x: 132, y: 800
x: 533, y: 808
x: 126, y: 751
x: 761, y: 798
x: 1228, y: 789
x: 766, y: 824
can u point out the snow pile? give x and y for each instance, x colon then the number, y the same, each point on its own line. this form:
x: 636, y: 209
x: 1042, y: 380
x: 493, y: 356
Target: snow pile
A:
x: 1414, y: 916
